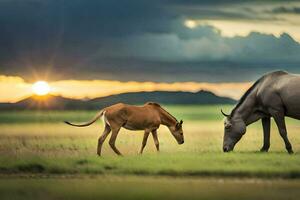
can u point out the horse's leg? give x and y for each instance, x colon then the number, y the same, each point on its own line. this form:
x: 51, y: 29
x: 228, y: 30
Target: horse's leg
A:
x: 280, y: 122
x: 266, y: 123
x: 156, y: 142
x: 113, y: 138
x: 102, y: 138
x: 146, y: 134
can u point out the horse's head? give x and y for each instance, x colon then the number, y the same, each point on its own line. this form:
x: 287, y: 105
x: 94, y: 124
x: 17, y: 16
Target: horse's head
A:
x: 234, y: 129
x: 177, y: 132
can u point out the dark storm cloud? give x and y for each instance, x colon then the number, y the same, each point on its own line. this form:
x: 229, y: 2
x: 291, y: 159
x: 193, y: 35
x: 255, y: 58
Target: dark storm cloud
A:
x: 61, y: 32
x: 134, y: 40
x: 284, y: 10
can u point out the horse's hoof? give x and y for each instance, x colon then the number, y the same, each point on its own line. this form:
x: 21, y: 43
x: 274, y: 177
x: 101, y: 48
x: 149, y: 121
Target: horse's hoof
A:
x: 263, y: 150
x: 290, y: 151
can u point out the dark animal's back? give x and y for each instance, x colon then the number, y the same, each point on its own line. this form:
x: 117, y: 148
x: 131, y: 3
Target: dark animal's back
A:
x: 277, y: 73
x: 264, y: 88
x: 280, y: 90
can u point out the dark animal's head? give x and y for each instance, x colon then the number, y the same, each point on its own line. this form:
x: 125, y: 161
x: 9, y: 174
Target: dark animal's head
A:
x: 177, y: 132
x: 234, y: 129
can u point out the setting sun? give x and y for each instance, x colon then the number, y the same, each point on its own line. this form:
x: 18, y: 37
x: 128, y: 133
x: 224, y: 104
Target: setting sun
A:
x: 40, y: 88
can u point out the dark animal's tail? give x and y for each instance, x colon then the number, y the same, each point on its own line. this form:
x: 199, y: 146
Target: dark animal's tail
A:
x: 97, y: 116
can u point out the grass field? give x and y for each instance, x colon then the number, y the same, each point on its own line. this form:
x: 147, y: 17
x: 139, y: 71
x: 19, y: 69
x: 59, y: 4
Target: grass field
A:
x: 139, y: 187
x: 38, y: 145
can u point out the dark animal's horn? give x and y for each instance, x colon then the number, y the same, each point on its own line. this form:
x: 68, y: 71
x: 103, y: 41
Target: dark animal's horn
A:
x: 226, y: 115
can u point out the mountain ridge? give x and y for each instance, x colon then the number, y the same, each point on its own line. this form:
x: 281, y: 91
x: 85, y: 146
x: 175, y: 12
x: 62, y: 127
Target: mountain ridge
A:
x: 52, y: 102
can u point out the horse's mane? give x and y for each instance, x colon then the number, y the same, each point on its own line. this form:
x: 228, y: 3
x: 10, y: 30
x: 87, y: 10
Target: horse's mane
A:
x: 153, y: 103
x: 273, y: 74
x: 245, y: 95
x: 159, y: 106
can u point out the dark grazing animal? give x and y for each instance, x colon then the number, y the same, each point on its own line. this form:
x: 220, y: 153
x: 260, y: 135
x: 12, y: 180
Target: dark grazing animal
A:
x: 148, y: 118
x: 276, y: 95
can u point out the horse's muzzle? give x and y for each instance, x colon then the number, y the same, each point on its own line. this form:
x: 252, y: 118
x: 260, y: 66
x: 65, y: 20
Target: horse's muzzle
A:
x: 226, y: 149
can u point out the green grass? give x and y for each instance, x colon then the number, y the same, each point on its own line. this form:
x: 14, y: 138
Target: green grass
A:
x: 38, y: 145
x: 191, y: 112
x: 137, y: 187
x: 53, y: 147
x: 256, y: 165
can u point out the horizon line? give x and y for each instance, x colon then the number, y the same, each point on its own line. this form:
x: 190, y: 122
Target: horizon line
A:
x: 89, y: 89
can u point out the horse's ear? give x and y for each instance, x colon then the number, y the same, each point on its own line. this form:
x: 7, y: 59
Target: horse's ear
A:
x: 226, y: 115
x: 181, y: 122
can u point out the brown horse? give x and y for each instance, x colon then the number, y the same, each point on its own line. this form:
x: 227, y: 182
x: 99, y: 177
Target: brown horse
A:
x: 147, y: 117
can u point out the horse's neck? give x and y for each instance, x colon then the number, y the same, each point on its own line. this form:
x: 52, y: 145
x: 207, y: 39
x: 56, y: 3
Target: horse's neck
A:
x: 246, y: 109
x: 166, y: 118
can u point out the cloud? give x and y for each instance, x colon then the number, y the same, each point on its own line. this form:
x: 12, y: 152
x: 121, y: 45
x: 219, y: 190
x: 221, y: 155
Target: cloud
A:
x: 205, y: 43
x: 139, y: 40
x: 13, y: 88
x: 284, y: 10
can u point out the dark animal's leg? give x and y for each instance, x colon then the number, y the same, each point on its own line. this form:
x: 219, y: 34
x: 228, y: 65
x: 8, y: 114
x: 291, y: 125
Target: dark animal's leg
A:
x: 146, y: 134
x: 112, y: 140
x: 279, y: 119
x: 156, y: 142
x: 102, y: 138
x: 266, y: 123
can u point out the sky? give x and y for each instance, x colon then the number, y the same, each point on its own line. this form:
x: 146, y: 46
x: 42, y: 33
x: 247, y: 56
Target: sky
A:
x: 130, y: 43
x: 88, y: 89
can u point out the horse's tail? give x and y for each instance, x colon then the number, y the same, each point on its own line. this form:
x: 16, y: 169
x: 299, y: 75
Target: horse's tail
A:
x: 97, y: 116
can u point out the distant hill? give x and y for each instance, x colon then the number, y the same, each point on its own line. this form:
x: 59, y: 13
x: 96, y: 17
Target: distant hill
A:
x: 51, y: 102
x: 48, y: 102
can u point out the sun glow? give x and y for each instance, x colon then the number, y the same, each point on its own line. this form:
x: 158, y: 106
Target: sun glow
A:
x: 15, y: 88
x: 190, y: 24
x: 40, y: 88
